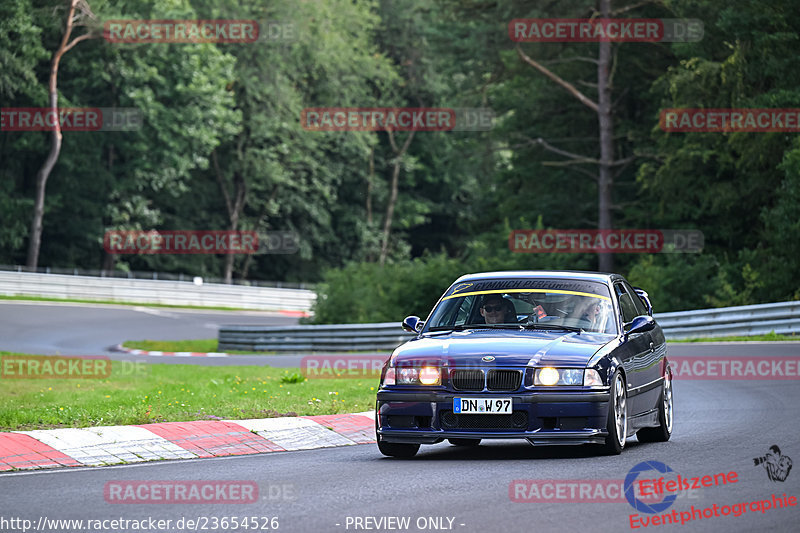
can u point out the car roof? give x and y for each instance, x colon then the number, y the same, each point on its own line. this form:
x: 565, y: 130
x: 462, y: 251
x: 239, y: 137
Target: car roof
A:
x: 602, y: 277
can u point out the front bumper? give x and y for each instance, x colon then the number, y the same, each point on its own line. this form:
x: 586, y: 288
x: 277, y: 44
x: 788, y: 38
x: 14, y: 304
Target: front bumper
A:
x: 545, y: 418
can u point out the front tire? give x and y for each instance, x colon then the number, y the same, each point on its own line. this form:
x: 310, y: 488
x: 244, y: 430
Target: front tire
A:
x: 663, y: 432
x: 617, y: 416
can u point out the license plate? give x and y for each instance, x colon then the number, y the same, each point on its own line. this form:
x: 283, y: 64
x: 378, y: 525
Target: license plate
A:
x: 483, y: 406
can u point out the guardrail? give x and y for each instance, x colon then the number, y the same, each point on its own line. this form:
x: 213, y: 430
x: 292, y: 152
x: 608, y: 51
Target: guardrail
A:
x: 155, y: 292
x: 783, y: 317
x: 333, y: 338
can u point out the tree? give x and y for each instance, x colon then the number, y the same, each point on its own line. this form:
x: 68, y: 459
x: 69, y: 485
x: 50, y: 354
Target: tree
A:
x: 602, y: 107
x: 78, y: 12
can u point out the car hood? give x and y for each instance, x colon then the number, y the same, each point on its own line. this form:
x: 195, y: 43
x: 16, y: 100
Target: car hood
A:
x: 510, y: 348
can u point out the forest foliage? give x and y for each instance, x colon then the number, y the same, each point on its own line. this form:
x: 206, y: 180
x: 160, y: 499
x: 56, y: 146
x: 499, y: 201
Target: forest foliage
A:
x: 222, y: 121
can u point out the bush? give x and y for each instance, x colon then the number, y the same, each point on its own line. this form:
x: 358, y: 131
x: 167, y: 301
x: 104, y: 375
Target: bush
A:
x: 368, y: 292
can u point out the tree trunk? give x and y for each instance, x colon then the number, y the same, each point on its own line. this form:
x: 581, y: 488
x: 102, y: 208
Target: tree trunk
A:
x: 34, y: 244
x: 369, y: 257
x: 370, y: 179
x: 234, y: 207
x: 109, y: 259
x: 387, y: 223
x: 605, y: 120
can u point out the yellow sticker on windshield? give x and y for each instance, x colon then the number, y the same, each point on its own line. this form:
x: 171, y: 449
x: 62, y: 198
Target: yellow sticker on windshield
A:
x: 461, y: 287
x: 506, y: 291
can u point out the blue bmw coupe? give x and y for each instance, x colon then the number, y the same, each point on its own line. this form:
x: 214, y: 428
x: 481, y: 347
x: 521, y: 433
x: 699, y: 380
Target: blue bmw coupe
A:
x: 549, y: 357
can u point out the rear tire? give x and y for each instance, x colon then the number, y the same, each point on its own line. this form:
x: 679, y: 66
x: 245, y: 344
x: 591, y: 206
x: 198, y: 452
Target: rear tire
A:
x: 663, y: 432
x: 394, y: 449
x: 617, y: 417
x: 464, y: 442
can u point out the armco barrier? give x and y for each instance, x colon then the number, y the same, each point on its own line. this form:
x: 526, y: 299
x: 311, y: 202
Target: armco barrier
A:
x: 155, y: 291
x: 333, y: 338
x: 783, y: 317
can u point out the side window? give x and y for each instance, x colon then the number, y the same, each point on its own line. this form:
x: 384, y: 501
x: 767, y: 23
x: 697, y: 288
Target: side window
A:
x: 625, y: 303
x: 462, y: 315
x: 637, y: 302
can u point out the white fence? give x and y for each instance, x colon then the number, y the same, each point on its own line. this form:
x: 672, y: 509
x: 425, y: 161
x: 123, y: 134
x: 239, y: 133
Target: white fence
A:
x: 154, y: 291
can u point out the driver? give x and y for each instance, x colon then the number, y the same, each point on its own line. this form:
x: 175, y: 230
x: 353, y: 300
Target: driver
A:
x: 495, y: 309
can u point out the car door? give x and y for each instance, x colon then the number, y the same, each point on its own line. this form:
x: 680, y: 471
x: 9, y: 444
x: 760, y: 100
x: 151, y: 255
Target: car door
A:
x: 658, y: 350
x: 638, y: 350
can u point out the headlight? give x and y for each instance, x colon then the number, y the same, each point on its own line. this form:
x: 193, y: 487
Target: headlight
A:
x: 430, y: 376
x: 427, y: 375
x: 407, y: 376
x: 558, y: 376
x: 546, y: 376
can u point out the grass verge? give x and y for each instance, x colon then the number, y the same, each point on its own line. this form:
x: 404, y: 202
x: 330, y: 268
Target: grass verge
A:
x: 205, y: 346
x: 196, y: 345
x: 139, y: 393
x: 768, y: 337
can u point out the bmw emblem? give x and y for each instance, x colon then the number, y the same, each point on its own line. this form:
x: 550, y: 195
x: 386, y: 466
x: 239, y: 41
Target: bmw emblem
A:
x: 487, y: 358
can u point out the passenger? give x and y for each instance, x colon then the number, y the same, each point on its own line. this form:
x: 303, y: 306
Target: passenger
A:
x: 590, y: 313
x: 587, y: 311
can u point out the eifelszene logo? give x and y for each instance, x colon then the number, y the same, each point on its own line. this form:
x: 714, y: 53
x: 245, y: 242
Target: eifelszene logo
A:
x: 777, y: 466
x: 637, y: 503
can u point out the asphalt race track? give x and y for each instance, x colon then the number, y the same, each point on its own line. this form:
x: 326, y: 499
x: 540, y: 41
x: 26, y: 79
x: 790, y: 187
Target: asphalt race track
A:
x: 721, y: 426
x: 92, y: 329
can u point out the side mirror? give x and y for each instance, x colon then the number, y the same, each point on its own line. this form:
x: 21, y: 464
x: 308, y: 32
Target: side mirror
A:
x: 645, y: 298
x: 640, y: 324
x: 412, y: 324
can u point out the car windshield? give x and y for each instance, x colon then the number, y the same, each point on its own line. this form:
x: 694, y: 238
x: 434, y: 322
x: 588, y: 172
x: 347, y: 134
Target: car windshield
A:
x: 526, y: 304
